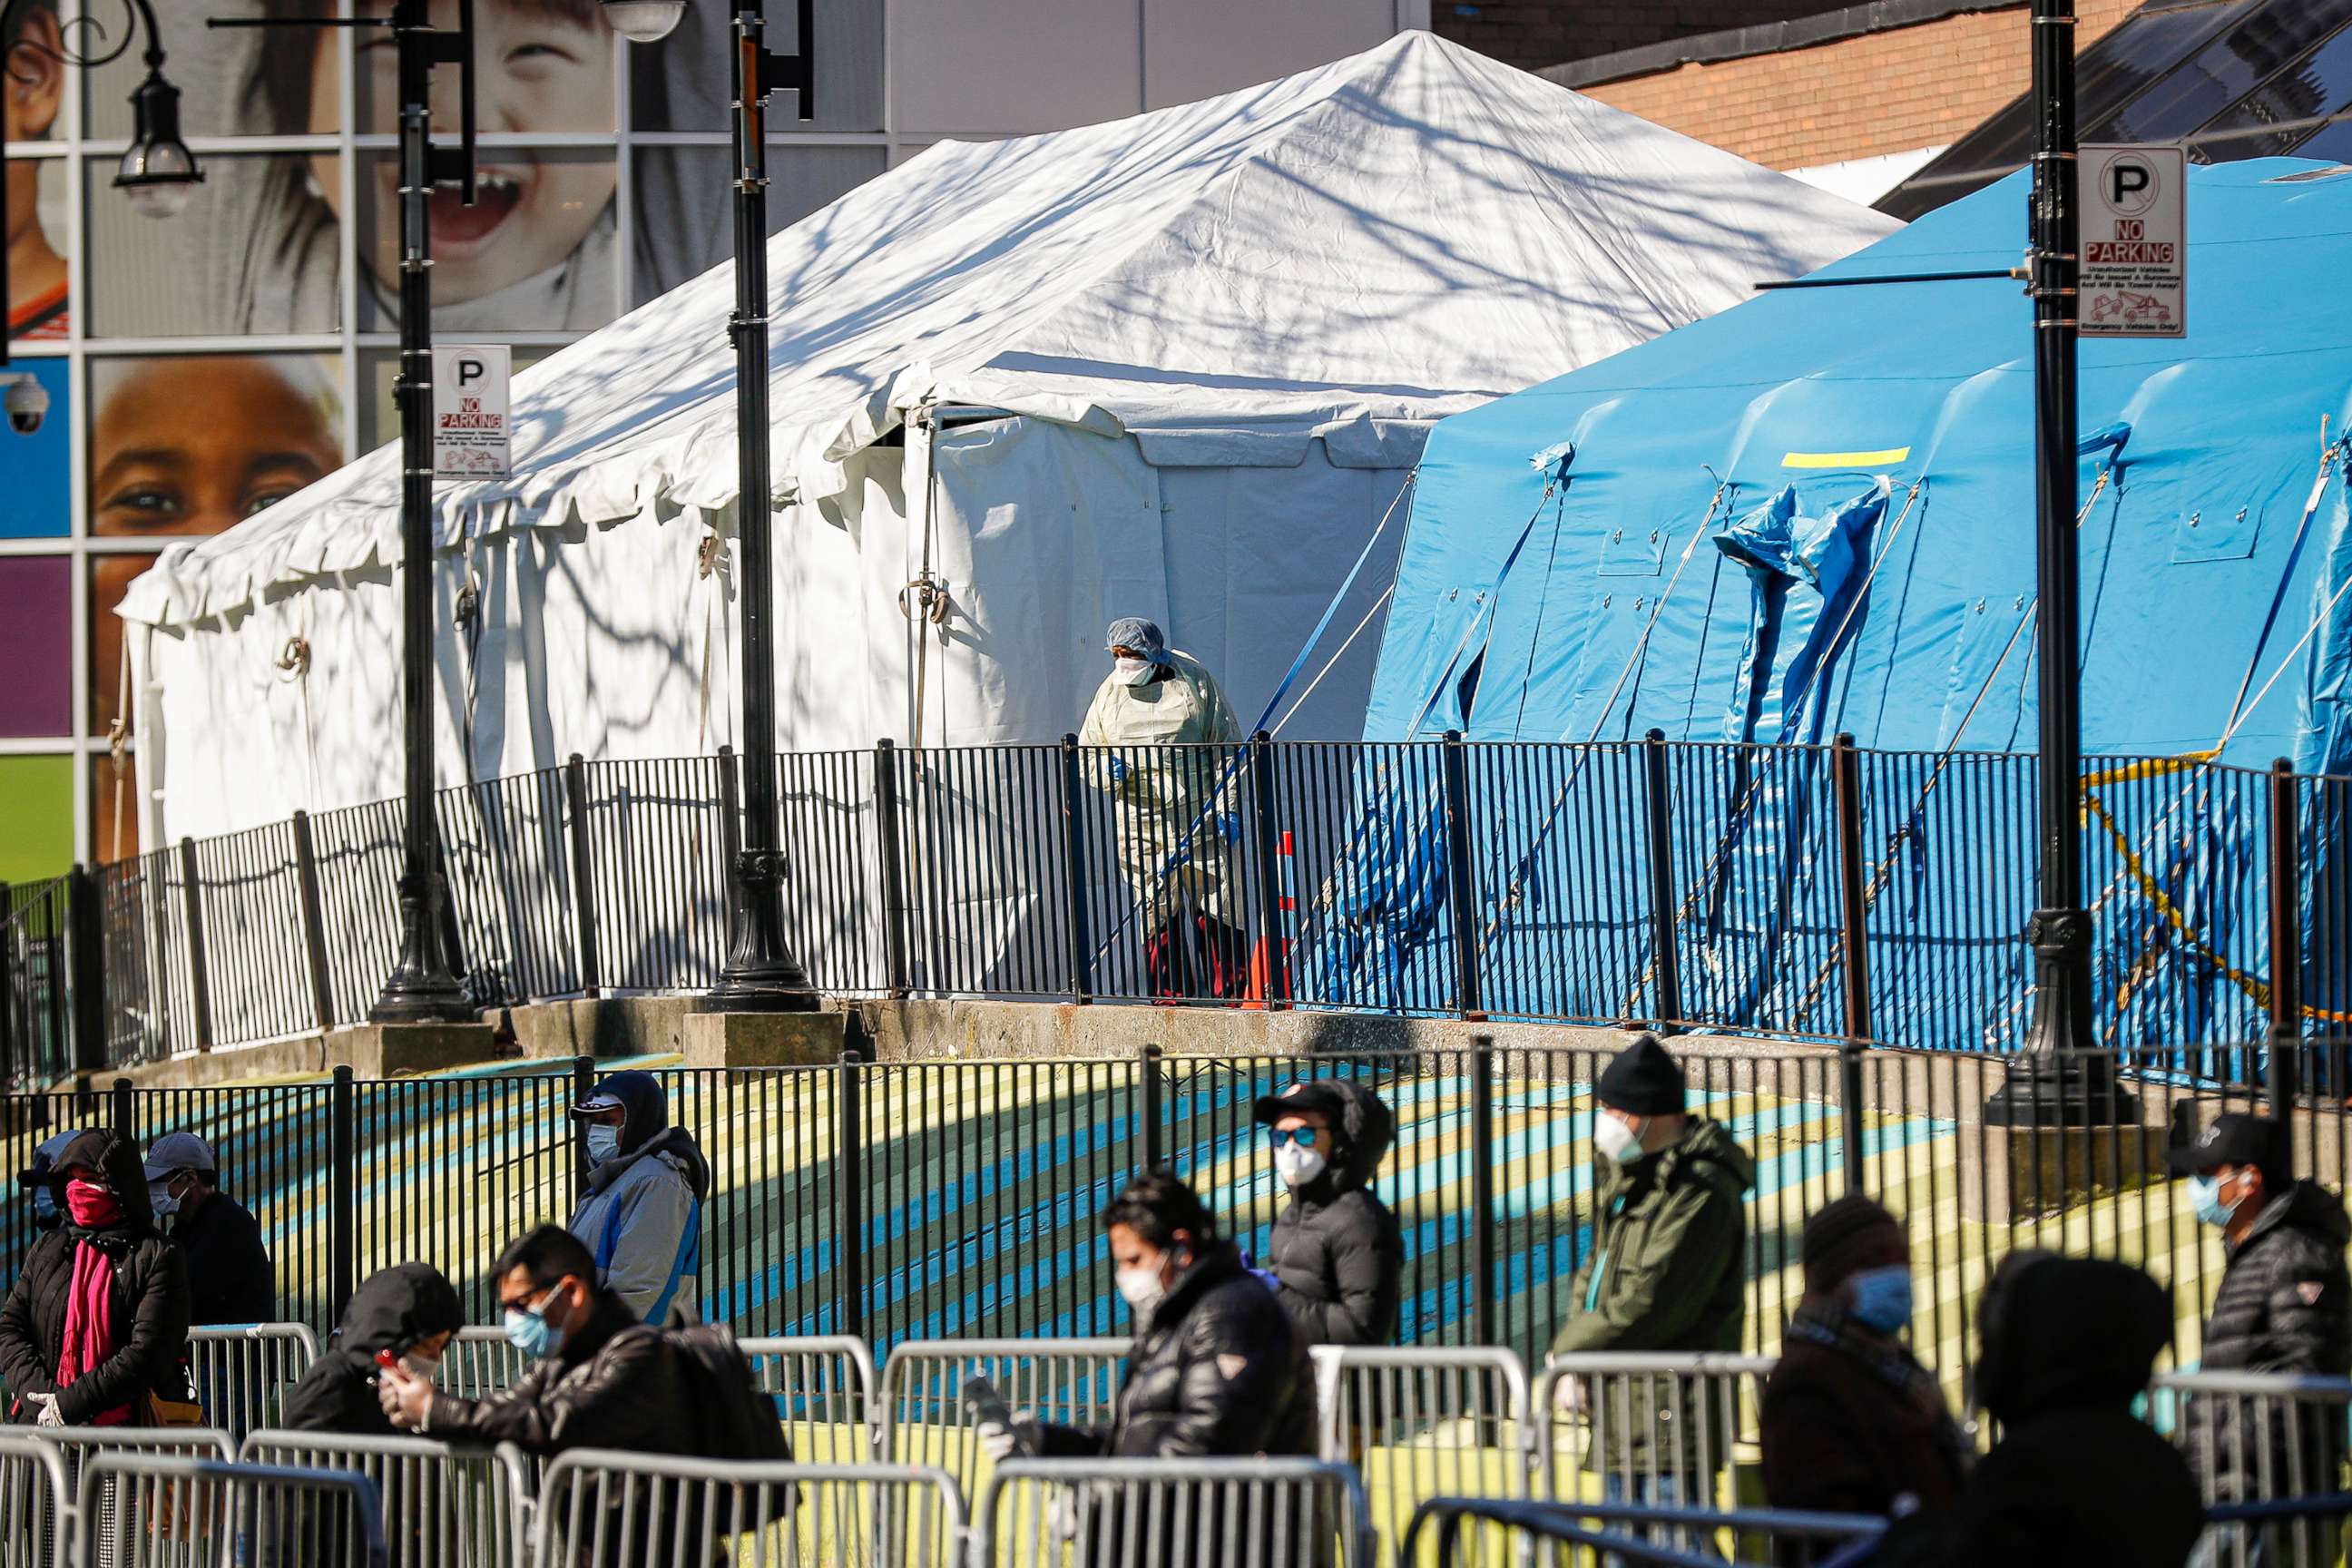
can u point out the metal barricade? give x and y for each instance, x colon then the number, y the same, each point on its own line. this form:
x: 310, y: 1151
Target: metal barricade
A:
x: 1447, y: 1531
x: 2298, y: 1533
x: 600, y: 1508
x: 2258, y: 1437
x: 1418, y: 1423
x: 242, y: 1372
x: 1069, y: 1383
x: 443, y: 1507
x: 824, y: 1390
x: 166, y: 1511
x: 1257, y: 1512
x: 36, y: 1505
x: 481, y: 1361
x: 78, y: 1448
x: 1662, y: 1427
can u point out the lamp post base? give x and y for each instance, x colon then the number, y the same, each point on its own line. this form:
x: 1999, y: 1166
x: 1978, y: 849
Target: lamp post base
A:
x: 762, y: 975
x: 423, y: 987
x: 2046, y: 1088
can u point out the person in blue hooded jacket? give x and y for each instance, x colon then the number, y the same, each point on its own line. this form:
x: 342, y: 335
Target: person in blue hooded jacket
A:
x: 642, y: 1218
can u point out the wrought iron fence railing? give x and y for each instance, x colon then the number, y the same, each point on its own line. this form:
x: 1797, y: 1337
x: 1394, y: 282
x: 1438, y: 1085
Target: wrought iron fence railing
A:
x: 1815, y: 891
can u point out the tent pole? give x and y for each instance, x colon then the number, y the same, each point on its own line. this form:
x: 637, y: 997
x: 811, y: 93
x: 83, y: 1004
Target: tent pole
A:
x: 2053, y: 1084
x: 423, y: 987
x: 761, y: 974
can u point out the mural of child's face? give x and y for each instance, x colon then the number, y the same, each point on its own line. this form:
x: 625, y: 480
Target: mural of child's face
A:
x: 541, y: 66
x: 196, y: 445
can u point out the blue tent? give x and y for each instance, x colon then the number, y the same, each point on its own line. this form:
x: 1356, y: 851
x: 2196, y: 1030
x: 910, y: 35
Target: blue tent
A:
x: 1815, y: 513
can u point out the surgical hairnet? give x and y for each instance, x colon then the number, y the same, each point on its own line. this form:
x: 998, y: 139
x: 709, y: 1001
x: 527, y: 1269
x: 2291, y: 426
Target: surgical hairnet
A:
x: 1134, y: 632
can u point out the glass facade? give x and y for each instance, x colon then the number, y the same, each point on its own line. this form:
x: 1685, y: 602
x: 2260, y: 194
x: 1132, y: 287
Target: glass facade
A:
x: 202, y: 367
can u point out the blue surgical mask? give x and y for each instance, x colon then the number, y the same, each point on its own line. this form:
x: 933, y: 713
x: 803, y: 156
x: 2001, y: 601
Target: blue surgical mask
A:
x: 604, y: 1143
x: 1882, y: 1298
x: 2206, y: 1193
x: 160, y: 1198
x: 529, y: 1330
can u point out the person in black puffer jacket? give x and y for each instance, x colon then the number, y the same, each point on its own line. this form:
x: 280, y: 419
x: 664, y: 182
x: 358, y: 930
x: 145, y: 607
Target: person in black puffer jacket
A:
x: 2284, y: 1305
x: 409, y: 1309
x: 141, y: 1346
x: 1336, y: 1257
x: 1217, y: 1370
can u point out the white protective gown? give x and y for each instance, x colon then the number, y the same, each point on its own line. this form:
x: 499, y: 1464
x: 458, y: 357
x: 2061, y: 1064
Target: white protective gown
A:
x: 1164, y: 795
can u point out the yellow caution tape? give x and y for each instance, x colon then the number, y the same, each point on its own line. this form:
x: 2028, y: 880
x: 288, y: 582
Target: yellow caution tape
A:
x: 1878, y: 460
x: 2152, y: 767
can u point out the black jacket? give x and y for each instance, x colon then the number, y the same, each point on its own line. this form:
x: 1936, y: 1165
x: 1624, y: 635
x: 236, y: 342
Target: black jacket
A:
x: 611, y: 1386
x: 2284, y: 1305
x: 1336, y: 1248
x: 2076, y: 1480
x: 230, y: 1279
x: 151, y: 1301
x: 392, y: 1309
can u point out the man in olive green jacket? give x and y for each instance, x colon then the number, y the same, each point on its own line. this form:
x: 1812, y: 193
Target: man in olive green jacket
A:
x: 1665, y: 1273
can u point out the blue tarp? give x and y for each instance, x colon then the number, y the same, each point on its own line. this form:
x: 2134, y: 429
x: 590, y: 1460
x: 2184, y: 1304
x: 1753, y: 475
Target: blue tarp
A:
x: 1832, y: 490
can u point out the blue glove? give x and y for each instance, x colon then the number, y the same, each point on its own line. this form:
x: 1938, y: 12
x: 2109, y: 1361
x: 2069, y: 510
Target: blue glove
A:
x: 1116, y: 767
x: 1229, y: 825
x: 1265, y: 1276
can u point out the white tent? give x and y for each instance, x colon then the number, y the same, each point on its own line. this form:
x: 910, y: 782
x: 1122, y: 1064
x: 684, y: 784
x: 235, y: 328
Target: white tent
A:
x: 1177, y: 366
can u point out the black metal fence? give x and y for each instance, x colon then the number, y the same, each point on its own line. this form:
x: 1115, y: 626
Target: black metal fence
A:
x: 1814, y: 891
x: 957, y: 1199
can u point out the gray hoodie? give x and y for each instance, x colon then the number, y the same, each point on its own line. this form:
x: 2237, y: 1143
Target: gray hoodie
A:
x: 642, y: 1216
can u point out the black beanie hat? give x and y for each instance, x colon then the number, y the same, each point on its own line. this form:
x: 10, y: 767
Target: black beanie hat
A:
x: 1641, y: 1080
x: 1844, y: 1233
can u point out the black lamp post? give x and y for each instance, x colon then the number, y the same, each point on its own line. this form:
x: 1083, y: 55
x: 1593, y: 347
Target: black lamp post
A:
x: 2055, y: 1084
x: 158, y: 173
x: 760, y: 975
x: 423, y: 987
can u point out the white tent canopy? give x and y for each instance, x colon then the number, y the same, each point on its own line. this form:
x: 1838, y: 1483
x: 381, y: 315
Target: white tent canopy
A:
x: 1175, y: 365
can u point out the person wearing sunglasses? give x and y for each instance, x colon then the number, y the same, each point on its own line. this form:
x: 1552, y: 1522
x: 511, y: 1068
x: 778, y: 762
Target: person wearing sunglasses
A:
x: 1336, y: 1257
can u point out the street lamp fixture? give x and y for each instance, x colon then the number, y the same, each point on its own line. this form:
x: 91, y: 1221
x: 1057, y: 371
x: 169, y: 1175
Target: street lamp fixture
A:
x: 644, y: 21
x: 158, y: 173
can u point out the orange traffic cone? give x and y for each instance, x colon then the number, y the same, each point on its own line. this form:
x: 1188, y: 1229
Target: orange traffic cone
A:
x: 1270, y: 956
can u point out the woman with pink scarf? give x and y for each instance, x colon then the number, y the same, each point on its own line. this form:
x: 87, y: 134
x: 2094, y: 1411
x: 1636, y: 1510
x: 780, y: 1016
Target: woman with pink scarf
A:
x: 99, y: 1318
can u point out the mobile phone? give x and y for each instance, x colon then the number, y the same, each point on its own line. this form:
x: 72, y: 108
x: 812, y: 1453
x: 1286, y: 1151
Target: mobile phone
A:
x: 984, y: 1405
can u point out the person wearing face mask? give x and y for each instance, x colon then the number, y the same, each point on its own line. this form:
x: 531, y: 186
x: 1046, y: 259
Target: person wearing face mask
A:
x: 1172, y: 823
x: 1664, y: 1273
x: 409, y: 1309
x: 1851, y: 1422
x: 1217, y: 1370
x: 2284, y: 1305
x: 35, y: 1179
x: 1335, y: 1255
x: 230, y: 1277
x: 642, y: 1216
x: 95, y: 1328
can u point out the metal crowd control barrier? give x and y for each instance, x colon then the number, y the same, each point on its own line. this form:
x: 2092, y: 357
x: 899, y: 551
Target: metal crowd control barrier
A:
x: 164, y: 1510
x: 1422, y: 1423
x: 243, y: 1371
x: 824, y: 1390
x: 1264, y: 1512
x: 1648, y: 1426
x: 2258, y: 1437
x: 600, y: 1508
x: 1070, y: 1382
x: 443, y: 1507
x: 481, y: 1361
x: 2298, y: 1533
x: 1507, y: 1529
x: 79, y: 1447
x: 36, y: 1505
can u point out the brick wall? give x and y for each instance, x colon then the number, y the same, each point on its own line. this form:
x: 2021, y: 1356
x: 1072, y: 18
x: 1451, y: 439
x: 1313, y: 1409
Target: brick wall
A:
x: 1533, y: 34
x: 1913, y: 86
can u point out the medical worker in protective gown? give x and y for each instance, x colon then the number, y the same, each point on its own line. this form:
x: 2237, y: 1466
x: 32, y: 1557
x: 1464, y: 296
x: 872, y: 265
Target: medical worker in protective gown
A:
x: 1163, y: 736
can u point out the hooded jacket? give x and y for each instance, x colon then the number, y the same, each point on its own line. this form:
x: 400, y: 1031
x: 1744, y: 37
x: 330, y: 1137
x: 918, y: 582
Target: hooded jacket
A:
x: 2284, y: 1305
x: 392, y: 1309
x: 2076, y: 1479
x: 642, y: 1219
x: 1336, y: 1248
x: 150, y: 1309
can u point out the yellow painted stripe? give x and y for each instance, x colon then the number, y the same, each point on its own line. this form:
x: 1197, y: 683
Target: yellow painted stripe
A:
x: 1878, y: 460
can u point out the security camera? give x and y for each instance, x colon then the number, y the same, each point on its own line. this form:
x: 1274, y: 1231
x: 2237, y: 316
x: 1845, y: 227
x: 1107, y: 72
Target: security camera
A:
x: 28, y: 404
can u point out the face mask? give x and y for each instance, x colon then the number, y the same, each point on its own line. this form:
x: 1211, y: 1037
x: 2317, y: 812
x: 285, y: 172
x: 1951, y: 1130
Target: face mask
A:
x: 1296, y: 1165
x: 1621, y: 1141
x: 1132, y: 671
x: 160, y: 1198
x: 1882, y: 1298
x: 424, y: 1366
x: 45, y: 1208
x: 529, y: 1330
x: 604, y: 1143
x: 1141, y: 1289
x: 2206, y: 1192
x: 92, y: 1205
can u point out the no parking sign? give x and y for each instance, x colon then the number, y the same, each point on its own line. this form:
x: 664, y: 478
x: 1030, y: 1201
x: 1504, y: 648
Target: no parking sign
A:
x: 2135, y: 281
x: 470, y: 411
